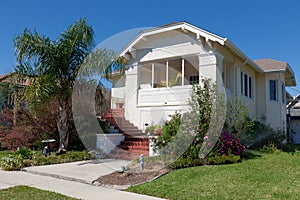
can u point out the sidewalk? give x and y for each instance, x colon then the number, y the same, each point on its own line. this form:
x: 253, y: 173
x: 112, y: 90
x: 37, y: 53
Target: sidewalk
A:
x: 80, y: 173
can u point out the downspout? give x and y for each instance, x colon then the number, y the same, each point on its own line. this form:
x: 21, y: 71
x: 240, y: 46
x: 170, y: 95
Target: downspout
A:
x: 236, y: 76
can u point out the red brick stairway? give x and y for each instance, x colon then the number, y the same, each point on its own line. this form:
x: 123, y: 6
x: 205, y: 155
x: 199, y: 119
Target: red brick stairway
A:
x: 135, y: 142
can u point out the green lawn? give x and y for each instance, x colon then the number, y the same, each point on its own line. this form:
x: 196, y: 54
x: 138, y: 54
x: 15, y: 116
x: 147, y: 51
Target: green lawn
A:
x: 28, y: 193
x: 269, y: 176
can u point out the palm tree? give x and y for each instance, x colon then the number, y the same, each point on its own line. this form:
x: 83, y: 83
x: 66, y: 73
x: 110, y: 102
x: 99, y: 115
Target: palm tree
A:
x: 52, y: 67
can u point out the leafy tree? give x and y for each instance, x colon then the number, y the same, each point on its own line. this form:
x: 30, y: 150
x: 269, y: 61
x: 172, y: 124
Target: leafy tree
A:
x: 52, y: 67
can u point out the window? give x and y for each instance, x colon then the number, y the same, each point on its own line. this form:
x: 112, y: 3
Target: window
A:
x: 227, y: 74
x: 273, y: 90
x: 283, y: 92
x: 246, y: 85
x: 194, y: 79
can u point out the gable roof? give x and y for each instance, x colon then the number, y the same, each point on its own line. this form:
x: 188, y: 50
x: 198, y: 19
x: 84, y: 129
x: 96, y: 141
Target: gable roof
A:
x: 271, y: 66
x: 3, y: 77
x: 9, y: 79
x: 261, y: 66
x: 193, y: 29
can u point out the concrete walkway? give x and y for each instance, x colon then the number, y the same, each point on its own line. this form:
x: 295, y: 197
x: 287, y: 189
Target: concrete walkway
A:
x: 71, y: 179
x: 82, y: 171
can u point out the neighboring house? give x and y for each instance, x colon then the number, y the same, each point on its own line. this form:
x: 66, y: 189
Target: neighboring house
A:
x: 8, y: 86
x: 165, y: 61
x: 294, y: 119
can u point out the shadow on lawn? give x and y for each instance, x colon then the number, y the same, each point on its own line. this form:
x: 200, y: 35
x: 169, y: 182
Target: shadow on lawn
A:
x: 250, y: 154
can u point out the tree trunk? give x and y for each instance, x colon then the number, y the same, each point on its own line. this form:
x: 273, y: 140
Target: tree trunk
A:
x: 62, y: 125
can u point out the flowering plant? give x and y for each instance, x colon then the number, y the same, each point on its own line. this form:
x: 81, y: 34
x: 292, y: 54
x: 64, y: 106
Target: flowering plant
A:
x: 229, y: 144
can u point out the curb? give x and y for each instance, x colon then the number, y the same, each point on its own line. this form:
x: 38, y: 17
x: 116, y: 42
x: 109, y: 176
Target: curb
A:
x: 58, y: 176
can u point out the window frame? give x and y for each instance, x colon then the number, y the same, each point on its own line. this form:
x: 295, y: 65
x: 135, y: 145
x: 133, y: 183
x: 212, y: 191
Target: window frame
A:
x: 247, y: 85
x: 192, y: 82
x: 275, y: 93
x: 283, y: 93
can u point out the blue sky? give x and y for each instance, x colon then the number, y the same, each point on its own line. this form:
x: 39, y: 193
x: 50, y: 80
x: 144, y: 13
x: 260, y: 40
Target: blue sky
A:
x: 259, y: 28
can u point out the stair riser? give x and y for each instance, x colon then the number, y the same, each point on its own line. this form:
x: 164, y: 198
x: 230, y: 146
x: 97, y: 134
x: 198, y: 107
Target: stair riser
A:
x: 135, y: 142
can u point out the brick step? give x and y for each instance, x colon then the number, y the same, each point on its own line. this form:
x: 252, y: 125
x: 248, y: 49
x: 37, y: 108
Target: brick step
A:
x: 129, y: 152
x: 120, y: 123
x: 125, y: 157
x: 132, y: 133
x: 140, y: 148
x: 141, y: 139
x: 134, y: 143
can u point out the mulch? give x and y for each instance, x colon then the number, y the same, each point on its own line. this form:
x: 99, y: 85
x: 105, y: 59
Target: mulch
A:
x: 134, y: 176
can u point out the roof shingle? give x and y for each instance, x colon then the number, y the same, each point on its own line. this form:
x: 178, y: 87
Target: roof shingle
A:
x: 267, y: 64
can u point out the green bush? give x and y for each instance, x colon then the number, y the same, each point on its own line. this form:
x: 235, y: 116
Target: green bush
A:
x: 12, y: 162
x: 24, y: 153
x: 186, y: 162
x: 265, y: 135
x: 153, y: 130
x: 218, y: 160
x: 69, y: 156
x: 271, y: 148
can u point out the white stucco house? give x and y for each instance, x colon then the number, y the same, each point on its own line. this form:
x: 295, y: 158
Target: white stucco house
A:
x: 165, y: 61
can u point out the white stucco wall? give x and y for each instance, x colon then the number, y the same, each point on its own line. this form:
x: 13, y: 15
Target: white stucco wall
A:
x: 154, y: 105
x: 275, y: 110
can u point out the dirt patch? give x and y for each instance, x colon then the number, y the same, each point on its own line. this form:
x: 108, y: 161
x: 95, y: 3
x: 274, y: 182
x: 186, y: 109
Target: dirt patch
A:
x: 134, y: 176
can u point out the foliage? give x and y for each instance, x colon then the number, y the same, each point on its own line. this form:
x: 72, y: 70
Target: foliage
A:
x: 237, y: 120
x: 29, y: 193
x: 25, y: 157
x: 154, y: 130
x: 265, y: 135
x: 218, y: 160
x: 226, y: 151
x: 24, y: 153
x: 168, y: 131
x: 29, y: 130
x: 52, y: 68
x: 229, y: 144
x: 70, y: 156
x: 262, y: 177
x: 12, y: 162
x: 271, y: 148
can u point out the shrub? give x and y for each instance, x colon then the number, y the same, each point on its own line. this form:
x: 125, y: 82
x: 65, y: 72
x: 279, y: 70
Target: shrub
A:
x: 24, y: 153
x: 69, y: 156
x: 168, y: 131
x: 12, y: 162
x: 271, y: 148
x: 265, y: 135
x: 153, y: 130
x: 218, y: 160
x: 229, y: 144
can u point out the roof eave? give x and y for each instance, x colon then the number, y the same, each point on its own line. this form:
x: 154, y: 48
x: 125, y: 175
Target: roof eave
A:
x: 236, y: 50
x: 181, y: 25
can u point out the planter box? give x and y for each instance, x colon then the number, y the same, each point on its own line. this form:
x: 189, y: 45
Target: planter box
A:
x: 108, y: 142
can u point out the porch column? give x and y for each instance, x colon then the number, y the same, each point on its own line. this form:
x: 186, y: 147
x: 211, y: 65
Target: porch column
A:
x: 167, y: 73
x: 182, y: 71
x: 152, y: 80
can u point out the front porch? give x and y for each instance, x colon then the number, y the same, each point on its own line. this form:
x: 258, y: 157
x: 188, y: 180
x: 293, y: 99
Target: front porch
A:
x: 167, y: 82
